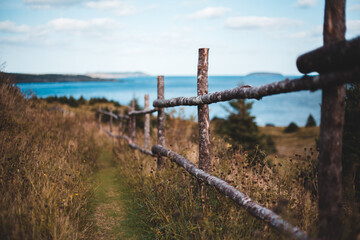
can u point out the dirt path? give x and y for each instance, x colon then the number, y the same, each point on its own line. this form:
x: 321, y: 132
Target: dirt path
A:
x: 109, y: 201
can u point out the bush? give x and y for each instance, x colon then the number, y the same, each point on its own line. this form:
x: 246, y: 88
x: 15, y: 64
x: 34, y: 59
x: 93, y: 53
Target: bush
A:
x: 310, y: 121
x: 291, y: 128
x: 72, y: 102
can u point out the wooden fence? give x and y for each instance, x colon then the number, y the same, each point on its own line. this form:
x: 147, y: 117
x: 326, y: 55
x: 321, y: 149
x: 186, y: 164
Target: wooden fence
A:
x: 338, y: 63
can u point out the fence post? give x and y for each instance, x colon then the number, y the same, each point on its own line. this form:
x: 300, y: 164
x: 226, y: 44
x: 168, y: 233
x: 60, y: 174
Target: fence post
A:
x: 331, y: 132
x: 147, y: 123
x: 130, y: 121
x: 161, y: 121
x: 203, y: 111
x: 121, y: 122
x: 111, y: 121
x: 132, y: 128
x: 99, y: 120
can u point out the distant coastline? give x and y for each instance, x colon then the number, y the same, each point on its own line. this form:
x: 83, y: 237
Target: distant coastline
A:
x: 261, y: 74
x: 48, y: 78
x: 116, y: 75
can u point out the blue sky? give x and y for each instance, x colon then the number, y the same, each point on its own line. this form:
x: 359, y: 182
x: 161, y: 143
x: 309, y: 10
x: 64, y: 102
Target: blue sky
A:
x: 161, y: 36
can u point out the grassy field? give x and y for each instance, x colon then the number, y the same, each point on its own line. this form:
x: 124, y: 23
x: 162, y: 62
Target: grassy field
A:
x: 62, y: 178
x: 289, y: 144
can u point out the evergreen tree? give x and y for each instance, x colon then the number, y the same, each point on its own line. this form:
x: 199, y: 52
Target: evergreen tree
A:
x: 240, y: 127
x: 310, y: 121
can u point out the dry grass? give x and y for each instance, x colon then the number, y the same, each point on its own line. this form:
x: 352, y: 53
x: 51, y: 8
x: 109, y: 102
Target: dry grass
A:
x: 45, y: 187
x: 169, y: 203
x: 45, y: 160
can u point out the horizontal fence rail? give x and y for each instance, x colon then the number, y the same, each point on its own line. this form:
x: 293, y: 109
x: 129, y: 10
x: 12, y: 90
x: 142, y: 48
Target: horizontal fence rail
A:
x: 142, y: 112
x: 109, y: 113
x: 131, y: 143
x: 240, y: 198
x: 247, y: 92
x: 334, y: 57
x: 122, y: 117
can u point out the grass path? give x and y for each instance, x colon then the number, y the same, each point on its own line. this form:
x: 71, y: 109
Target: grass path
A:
x: 110, y: 201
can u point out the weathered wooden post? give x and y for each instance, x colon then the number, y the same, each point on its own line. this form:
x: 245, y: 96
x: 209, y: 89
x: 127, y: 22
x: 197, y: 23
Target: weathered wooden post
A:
x: 133, y: 122
x: 147, y: 123
x: 121, y: 122
x: 130, y: 121
x: 331, y: 132
x: 99, y: 120
x: 161, y: 121
x: 203, y: 111
x: 111, y: 119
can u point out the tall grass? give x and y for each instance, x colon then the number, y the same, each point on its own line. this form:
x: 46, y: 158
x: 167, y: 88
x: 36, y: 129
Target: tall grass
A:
x: 45, y: 160
x: 171, y: 205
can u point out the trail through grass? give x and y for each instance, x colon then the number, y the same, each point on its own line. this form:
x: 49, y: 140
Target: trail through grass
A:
x: 110, y: 201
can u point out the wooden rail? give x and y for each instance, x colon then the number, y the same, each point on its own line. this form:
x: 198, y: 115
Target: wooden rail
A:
x: 311, y: 83
x: 338, y: 63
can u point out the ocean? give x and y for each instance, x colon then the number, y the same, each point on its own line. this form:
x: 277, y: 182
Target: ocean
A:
x: 279, y: 110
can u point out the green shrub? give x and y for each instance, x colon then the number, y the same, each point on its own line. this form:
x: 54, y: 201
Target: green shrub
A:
x: 291, y: 128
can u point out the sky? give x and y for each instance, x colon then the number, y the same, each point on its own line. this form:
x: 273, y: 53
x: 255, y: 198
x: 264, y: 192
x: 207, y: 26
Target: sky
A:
x: 162, y: 37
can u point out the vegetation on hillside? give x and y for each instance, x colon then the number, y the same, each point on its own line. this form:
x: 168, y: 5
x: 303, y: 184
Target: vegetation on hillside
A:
x: 44, y: 178
x: 169, y: 205
x: 45, y: 161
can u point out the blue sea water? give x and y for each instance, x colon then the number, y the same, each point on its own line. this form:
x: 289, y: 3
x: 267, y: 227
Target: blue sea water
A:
x: 278, y: 109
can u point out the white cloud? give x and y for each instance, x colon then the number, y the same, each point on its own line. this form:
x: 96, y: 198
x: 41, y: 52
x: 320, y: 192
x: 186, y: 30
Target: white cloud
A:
x: 355, y: 7
x: 120, y: 7
x: 61, y: 30
x: 255, y: 22
x: 209, y: 12
x: 11, y: 27
x: 50, y: 3
x: 75, y: 25
x: 306, y: 3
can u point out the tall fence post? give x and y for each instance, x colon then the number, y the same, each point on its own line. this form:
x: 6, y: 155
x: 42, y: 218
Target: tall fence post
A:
x: 203, y: 111
x: 161, y: 120
x: 121, y: 122
x: 111, y: 119
x: 147, y: 123
x: 99, y: 120
x: 331, y: 132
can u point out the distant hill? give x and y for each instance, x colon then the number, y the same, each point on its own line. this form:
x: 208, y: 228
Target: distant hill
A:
x: 38, y: 78
x: 116, y: 74
x: 255, y: 74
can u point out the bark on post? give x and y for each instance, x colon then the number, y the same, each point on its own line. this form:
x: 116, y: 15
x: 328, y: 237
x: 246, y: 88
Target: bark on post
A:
x: 147, y: 124
x: 130, y: 121
x: 99, y: 120
x: 203, y: 111
x: 331, y: 131
x: 161, y: 121
x: 121, y: 122
x: 111, y: 117
x: 133, y: 122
